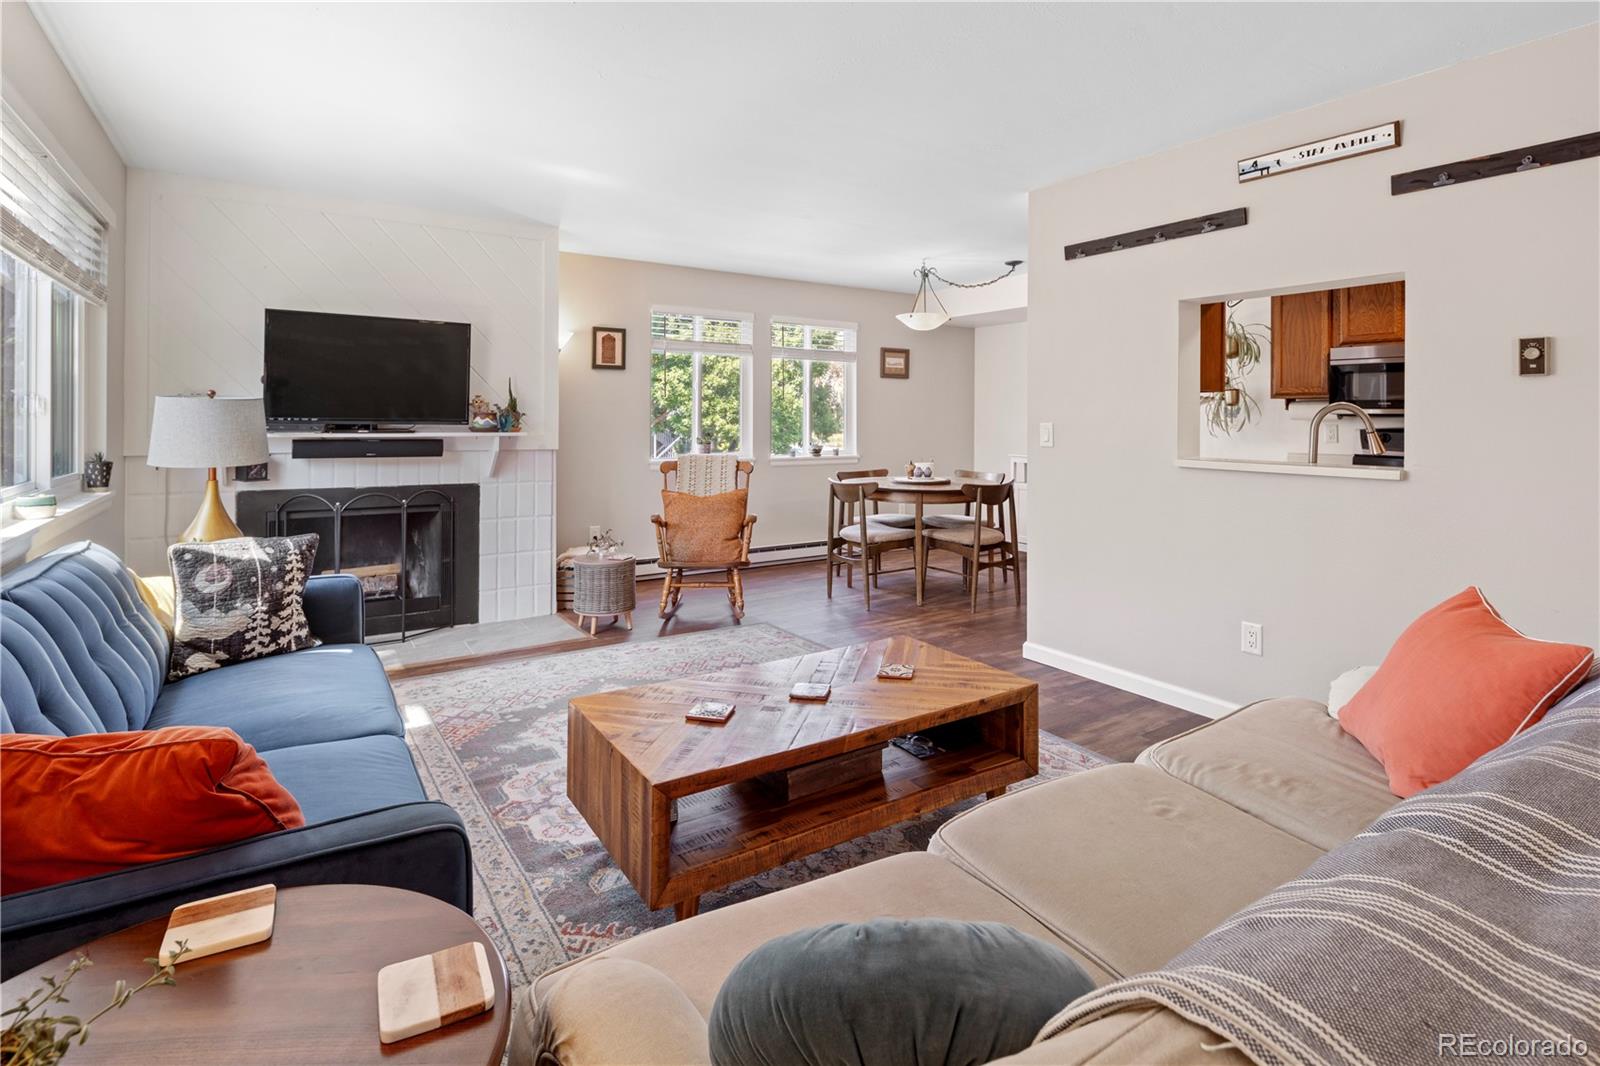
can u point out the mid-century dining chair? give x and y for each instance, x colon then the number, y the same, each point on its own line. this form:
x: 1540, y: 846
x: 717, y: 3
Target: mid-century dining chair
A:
x: 854, y: 541
x: 704, y: 540
x: 899, y: 521
x: 988, y: 540
x: 960, y: 521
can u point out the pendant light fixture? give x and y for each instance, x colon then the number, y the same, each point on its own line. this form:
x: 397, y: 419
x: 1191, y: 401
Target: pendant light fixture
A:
x: 927, y: 310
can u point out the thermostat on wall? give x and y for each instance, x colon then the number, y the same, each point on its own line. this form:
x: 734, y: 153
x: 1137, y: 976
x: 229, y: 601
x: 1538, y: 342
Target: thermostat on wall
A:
x: 1533, y: 355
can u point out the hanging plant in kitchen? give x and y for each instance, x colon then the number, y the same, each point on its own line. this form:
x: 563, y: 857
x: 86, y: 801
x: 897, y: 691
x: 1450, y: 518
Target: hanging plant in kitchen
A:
x: 1231, y: 409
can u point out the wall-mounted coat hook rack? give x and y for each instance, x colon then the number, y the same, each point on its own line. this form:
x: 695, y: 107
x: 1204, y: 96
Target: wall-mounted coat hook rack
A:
x: 1189, y: 227
x: 1513, y: 161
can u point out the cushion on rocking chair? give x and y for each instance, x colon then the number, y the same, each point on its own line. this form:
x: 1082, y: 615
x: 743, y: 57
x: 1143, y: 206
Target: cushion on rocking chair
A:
x: 704, y: 531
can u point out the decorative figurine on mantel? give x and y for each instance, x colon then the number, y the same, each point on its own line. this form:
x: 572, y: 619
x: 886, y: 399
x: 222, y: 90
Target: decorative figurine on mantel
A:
x: 482, y: 416
x: 509, y: 417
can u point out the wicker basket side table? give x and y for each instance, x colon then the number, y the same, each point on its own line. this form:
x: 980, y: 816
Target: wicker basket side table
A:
x: 602, y: 586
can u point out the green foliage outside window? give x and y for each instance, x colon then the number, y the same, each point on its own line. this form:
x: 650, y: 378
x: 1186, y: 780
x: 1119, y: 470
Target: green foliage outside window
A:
x: 672, y: 402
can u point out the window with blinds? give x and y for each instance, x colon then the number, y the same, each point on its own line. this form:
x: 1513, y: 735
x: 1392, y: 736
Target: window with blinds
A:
x: 43, y: 220
x: 699, y: 363
x: 813, y: 387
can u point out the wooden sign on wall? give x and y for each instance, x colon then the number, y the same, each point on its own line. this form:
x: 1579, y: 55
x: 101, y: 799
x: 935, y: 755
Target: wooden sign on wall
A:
x: 1344, y: 146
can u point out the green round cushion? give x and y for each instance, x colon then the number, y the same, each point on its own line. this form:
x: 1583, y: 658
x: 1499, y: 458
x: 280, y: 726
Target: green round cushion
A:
x: 891, y: 992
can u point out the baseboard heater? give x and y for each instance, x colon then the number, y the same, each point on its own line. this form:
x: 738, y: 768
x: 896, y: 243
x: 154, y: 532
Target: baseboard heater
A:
x: 367, y: 447
x: 770, y: 555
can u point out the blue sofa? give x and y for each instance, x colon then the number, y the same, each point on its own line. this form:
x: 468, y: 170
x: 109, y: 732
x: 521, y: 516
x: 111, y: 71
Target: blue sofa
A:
x: 80, y: 652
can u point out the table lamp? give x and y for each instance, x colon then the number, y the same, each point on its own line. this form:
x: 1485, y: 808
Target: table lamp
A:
x: 207, y: 430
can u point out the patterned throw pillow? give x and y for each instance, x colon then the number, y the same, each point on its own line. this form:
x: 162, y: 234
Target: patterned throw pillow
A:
x: 239, y: 599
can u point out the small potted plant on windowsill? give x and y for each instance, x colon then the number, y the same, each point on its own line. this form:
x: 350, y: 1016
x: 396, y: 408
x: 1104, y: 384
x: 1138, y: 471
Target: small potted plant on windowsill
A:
x: 97, y: 473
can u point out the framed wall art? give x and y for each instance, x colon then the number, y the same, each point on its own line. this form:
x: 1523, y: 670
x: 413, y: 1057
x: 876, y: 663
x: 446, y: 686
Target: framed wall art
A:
x: 610, y: 348
x: 894, y: 362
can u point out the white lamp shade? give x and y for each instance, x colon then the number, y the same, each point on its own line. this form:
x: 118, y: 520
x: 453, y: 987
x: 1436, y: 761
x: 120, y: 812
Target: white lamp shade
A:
x: 924, y: 320
x: 202, y: 431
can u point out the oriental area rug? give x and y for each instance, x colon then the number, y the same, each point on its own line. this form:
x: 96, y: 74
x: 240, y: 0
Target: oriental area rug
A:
x: 491, y: 742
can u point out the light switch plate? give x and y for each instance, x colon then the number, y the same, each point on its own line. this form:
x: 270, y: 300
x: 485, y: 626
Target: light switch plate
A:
x: 1047, y: 434
x: 1533, y: 355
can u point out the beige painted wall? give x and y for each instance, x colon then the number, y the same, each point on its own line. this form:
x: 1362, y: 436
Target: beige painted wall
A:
x: 999, y: 394
x: 604, y: 476
x: 1000, y: 403
x: 37, y: 80
x: 1150, y: 568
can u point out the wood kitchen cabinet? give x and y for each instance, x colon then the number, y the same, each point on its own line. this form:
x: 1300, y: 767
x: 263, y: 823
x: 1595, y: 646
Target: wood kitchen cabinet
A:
x: 1302, y: 333
x: 1213, y: 331
x: 1369, y: 314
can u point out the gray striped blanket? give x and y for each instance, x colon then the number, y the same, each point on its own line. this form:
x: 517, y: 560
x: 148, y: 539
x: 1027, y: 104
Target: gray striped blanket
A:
x: 1464, y: 923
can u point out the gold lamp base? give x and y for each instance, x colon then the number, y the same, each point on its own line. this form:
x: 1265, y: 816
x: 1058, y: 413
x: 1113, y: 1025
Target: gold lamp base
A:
x: 212, y: 521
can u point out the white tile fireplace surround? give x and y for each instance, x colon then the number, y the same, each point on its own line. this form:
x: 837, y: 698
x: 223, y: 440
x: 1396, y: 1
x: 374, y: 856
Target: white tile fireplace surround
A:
x: 516, y: 518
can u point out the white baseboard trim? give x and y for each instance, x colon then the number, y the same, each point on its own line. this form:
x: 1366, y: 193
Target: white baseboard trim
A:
x: 1128, y: 681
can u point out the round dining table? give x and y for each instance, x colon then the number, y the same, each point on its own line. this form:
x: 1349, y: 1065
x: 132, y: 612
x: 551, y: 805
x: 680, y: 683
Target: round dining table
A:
x: 919, y: 494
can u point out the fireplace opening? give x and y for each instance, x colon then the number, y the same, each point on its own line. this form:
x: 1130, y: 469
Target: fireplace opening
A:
x: 414, y: 548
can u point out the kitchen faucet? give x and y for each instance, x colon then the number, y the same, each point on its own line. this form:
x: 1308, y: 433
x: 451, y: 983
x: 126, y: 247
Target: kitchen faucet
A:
x: 1374, y: 440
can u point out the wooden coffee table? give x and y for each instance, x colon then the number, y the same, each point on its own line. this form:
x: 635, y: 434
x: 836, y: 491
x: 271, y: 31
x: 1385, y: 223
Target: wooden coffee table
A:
x: 307, y: 996
x: 631, y: 754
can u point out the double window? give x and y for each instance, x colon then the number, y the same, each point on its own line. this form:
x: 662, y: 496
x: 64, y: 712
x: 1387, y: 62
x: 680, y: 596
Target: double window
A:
x: 699, y: 373
x: 53, y: 263
x: 813, y: 386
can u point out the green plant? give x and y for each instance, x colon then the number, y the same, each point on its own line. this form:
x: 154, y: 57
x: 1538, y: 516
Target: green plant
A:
x: 511, y: 407
x: 1232, y: 408
x: 96, y: 457
x: 31, y: 1038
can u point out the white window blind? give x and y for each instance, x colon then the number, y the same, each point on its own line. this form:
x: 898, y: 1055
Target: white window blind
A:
x: 817, y: 338
x: 704, y: 332
x: 42, y: 220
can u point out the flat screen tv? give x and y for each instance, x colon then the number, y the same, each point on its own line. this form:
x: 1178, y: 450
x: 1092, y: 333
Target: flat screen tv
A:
x: 361, y: 371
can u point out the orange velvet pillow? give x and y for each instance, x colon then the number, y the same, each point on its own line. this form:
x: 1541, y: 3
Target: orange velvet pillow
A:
x: 705, y: 530
x: 72, y: 807
x: 1457, y: 684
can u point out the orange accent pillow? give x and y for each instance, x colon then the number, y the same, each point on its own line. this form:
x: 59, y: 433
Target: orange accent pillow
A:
x: 705, y: 530
x: 72, y: 807
x: 1457, y: 684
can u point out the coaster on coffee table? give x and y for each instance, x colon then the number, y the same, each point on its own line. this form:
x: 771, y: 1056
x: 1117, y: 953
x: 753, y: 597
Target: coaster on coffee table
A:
x: 432, y: 991
x: 221, y: 923
x: 811, y: 693
x: 713, y: 711
x: 897, y: 671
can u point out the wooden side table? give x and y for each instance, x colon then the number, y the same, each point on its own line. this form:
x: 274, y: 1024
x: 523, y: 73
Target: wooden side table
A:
x: 308, y: 996
x: 603, y: 586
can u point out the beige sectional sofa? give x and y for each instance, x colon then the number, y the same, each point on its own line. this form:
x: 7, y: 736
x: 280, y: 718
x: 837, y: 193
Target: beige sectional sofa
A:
x: 1123, y: 867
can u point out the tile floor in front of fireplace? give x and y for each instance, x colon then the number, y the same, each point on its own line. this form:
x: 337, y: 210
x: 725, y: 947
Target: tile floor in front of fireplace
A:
x: 443, y: 649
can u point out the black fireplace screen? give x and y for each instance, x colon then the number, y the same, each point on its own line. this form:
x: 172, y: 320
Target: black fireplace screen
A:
x: 414, y: 548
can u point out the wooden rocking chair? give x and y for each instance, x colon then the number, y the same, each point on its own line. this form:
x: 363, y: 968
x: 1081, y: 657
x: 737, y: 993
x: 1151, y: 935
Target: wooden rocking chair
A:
x: 690, y: 550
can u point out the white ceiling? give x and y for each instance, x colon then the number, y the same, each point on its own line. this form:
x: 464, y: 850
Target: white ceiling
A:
x: 828, y: 142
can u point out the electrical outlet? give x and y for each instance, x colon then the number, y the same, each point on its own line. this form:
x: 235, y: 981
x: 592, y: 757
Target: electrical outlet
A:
x: 1250, y: 638
x: 1331, y: 431
x: 594, y: 531
x: 1047, y: 434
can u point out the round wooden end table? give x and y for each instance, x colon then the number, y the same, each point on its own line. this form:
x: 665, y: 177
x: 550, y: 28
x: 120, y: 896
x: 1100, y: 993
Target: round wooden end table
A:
x: 600, y: 586
x: 308, y: 996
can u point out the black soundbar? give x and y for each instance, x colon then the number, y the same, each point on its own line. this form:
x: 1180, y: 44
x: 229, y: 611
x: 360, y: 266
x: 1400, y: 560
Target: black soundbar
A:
x: 367, y: 447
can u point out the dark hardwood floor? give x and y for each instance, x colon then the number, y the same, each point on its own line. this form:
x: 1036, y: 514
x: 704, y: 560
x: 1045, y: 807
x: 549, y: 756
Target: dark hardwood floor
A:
x: 1114, y: 723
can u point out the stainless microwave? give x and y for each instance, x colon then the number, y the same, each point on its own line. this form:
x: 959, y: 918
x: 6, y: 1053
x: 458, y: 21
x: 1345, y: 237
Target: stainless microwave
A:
x: 1371, y: 376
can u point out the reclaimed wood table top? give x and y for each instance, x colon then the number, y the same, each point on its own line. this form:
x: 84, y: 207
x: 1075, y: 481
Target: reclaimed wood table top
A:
x: 308, y: 996
x: 632, y: 753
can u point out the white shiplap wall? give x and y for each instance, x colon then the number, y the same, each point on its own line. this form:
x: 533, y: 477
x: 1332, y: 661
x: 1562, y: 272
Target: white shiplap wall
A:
x: 204, y: 261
